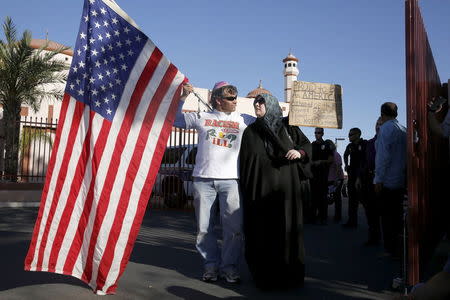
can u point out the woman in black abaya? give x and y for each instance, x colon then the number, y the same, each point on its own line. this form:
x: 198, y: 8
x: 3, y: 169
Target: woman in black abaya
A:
x: 274, y: 172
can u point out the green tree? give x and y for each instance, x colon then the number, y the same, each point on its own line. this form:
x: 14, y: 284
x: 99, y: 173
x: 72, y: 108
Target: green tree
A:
x: 27, y: 76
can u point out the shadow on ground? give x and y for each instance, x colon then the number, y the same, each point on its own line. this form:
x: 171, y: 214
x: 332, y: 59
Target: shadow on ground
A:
x: 16, y: 225
x: 165, y: 265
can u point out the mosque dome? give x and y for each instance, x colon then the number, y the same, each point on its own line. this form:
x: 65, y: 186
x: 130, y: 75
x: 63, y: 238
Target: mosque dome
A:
x: 257, y: 91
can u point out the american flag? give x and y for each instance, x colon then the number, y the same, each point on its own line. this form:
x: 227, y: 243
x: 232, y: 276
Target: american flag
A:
x: 117, y: 112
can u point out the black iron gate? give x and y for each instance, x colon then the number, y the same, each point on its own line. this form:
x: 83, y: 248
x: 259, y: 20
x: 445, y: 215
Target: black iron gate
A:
x: 173, y: 185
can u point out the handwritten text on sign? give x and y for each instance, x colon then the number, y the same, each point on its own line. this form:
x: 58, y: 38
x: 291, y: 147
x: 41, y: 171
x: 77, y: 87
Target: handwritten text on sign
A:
x: 316, y: 104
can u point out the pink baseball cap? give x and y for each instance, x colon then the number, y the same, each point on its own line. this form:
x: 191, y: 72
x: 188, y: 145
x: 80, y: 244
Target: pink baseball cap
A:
x: 220, y: 84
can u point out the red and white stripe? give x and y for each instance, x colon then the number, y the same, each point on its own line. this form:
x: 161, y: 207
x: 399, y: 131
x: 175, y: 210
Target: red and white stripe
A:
x: 100, y: 177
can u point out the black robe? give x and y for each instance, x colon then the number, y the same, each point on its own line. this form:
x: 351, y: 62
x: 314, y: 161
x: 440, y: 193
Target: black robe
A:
x: 273, y: 190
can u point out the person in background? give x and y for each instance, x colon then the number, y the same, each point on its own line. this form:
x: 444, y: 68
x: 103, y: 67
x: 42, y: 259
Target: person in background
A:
x: 322, y: 157
x: 215, y: 180
x: 355, y: 150
x: 365, y: 184
x: 274, y: 173
x: 438, y: 286
x: 390, y: 177
x: 335, y: 181
x: 440, y: 128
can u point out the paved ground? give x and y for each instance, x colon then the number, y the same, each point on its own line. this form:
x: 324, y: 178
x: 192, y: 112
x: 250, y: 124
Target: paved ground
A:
x: 164, y: 265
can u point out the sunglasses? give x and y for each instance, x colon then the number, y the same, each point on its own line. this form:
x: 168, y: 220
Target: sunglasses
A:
x: 231, y: 98
x: 259, y: 100
x: 318, y: 132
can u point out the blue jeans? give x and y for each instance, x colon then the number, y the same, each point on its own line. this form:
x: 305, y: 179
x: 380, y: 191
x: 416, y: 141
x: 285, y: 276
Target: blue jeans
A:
x: 209, y: 194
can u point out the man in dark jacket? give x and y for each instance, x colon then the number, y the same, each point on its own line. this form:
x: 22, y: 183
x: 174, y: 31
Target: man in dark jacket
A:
x: 356, y: 152
x: 322, y: 157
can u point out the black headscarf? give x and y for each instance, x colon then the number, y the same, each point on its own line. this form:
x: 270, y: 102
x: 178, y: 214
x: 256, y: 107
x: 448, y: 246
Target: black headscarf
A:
x: 273, y: 117
x: 272, y: 128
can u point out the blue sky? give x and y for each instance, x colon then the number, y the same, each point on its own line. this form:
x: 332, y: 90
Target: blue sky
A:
x: 359, y: 44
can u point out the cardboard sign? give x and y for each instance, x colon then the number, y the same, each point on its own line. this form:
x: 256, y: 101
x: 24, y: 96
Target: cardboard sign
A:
x: 316, y: 104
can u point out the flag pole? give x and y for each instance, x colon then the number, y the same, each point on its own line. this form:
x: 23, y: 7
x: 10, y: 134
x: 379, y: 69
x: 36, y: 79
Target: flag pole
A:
x: 202, y: 101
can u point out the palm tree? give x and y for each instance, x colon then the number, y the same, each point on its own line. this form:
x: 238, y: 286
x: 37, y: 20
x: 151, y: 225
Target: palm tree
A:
x: 26, y: 77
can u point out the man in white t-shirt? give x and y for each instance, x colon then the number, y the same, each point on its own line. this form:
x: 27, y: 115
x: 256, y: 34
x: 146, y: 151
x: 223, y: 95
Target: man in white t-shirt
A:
x: 215, y: 179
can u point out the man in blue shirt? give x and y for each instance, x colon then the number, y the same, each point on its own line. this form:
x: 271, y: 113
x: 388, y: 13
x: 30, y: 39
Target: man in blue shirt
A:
x: 390, y: 176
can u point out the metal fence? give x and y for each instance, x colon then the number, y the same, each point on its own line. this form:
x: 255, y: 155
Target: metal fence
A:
x: 173, y: 184
x: 35, y: 140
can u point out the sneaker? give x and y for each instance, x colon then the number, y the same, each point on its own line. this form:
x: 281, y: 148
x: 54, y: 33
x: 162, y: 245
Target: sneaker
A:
x: 210, y: 275
x: 231, y: 276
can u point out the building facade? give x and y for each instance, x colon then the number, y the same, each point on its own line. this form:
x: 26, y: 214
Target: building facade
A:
x: 50, y: 108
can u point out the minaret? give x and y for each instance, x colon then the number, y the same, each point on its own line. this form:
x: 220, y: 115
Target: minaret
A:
x: 290, y: 75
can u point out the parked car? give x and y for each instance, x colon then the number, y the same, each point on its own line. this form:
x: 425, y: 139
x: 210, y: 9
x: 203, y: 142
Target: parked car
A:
x: 174, y: 179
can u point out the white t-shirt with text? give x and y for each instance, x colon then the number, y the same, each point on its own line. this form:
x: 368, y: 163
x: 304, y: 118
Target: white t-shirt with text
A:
x: 219, y: 142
